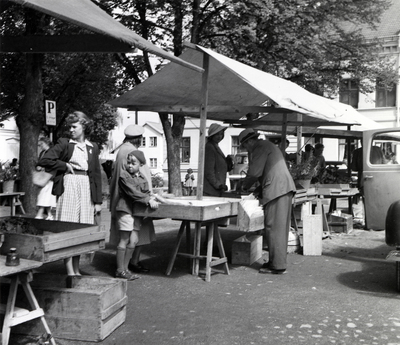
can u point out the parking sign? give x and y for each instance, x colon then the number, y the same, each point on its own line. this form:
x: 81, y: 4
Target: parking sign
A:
x: 50, y: 110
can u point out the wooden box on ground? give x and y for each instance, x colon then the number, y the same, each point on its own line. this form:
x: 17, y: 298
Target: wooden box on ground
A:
x: 342, y: 223
x: 246, y: 249
x: 90, y: 310
x: 46, y: 241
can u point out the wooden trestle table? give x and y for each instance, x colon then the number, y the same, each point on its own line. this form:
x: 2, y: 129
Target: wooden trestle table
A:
x: 210, y: 211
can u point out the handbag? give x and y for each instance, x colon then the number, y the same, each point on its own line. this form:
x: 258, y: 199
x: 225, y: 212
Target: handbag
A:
x: 40, y: 178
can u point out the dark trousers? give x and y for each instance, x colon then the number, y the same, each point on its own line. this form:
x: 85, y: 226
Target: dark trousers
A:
x: 277, y: 220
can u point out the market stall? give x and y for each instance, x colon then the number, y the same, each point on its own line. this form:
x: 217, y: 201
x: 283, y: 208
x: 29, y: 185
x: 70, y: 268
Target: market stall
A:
x: 227, y: 91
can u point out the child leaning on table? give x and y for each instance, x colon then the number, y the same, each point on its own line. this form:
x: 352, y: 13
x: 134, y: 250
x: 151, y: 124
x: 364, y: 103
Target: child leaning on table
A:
x: 133, y: 188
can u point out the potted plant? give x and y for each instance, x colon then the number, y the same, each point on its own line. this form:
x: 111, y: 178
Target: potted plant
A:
x: 303, y: 173
x: 8, y: 174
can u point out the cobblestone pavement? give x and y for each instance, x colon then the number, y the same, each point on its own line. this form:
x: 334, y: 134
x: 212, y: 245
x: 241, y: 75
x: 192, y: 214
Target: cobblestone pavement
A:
x: 346, y: 296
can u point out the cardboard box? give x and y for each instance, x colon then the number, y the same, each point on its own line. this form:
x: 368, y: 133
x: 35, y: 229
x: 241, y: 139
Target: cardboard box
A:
x: 342, y: 223
x: 47, y: 241
x: 246, y: 250
x: 250, y: 215
x: 90, y: 310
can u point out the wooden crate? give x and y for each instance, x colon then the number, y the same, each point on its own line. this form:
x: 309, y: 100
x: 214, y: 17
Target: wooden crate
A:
x: 342, y: 223
x: 90, y: 310
x: 246, y: 250
x: 48, y: 241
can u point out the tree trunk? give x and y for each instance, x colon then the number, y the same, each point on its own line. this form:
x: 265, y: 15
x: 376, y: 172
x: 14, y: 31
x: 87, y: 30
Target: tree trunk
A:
x: 29, y: 122
x: 173, y: 136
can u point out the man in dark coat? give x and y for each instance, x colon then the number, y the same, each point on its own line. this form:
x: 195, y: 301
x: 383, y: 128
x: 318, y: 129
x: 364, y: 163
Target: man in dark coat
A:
x: 268, y: 167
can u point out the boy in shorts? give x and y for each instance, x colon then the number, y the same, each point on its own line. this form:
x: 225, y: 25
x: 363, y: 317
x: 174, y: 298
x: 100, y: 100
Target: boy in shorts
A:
x: 133, y: 188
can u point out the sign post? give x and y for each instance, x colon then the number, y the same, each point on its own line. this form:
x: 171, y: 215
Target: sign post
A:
x: 50, y: 112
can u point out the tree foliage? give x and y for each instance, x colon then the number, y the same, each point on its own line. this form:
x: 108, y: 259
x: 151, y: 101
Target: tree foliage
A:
x: 309, y: 42
x: 306, y: 41
x: 75, y: 81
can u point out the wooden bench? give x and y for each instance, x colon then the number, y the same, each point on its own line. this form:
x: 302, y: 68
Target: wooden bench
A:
x: 13, y: 200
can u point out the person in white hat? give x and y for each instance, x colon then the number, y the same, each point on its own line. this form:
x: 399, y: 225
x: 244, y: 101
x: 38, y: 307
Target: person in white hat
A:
x: 268, y: 167
x: 132, y: 141
x: 215, y: 162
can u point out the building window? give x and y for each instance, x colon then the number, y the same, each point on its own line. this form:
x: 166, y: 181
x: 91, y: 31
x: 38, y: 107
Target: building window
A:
x: 348, y: 92
x: 143, y: 142
x: 153, y: 141
x: 153, y: 162
x: 385, y: 95
x: 185, y: 150
x: 236, y: 146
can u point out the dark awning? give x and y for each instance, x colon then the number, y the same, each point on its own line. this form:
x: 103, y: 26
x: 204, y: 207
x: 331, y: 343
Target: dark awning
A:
x: 86, y: 14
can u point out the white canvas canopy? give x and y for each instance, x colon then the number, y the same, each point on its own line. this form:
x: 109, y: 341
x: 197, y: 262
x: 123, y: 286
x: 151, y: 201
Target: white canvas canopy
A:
x: 227, y: 91
x: 234, y: 89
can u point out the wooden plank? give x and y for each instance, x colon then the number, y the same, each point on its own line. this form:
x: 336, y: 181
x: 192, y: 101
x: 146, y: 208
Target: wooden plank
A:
x: 73, y: 241
x: 24, y: 265
x: 312, y: 235
x: 64, y: 253
x: 203, y: 125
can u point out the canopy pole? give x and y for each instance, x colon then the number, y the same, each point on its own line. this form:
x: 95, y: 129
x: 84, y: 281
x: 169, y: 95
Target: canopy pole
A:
x: 283, y: 135
x: 203, y: 123
x: 299, y: 131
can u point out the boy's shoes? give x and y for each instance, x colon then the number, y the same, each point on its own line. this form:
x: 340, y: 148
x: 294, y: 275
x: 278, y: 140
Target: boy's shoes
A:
x: 271, y: 270
x: 138, y: 268
x: 128, y: 275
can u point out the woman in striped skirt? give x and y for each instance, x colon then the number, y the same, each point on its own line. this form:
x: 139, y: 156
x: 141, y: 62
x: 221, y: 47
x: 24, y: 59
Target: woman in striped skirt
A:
x: 75, y: 165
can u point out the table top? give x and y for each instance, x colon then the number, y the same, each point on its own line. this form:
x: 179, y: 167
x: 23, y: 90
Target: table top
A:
x: 336, y: 193
x: 189, y: 208
x: 12, y: 194
x: 24, y: 265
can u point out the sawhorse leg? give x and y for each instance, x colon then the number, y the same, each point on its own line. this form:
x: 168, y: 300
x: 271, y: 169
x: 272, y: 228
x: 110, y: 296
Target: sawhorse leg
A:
x: 184, y: 225
x: 10, y: 320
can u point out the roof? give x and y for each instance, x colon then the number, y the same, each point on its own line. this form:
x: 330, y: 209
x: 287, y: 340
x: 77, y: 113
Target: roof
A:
x: 86, y: 14
x: 233, y: 89
x: 389, y: 24
x: 156, y: 126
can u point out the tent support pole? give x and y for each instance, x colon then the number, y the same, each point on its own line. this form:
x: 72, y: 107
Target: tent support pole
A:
x: 203, y: 120
x: 283, y: 135
x: 299, y: 139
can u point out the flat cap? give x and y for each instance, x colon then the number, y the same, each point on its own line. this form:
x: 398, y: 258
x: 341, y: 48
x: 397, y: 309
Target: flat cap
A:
x: 139, y: 155
x: 247, y: 134
x: 133, y: 131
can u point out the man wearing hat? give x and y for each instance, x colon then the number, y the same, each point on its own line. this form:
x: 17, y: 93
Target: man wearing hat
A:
x: 132, y: 141
x: 268, y: 166
x: 215, y: 162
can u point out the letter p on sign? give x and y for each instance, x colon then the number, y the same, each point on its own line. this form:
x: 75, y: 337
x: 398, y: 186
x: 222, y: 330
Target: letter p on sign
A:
x: 50, y: 112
